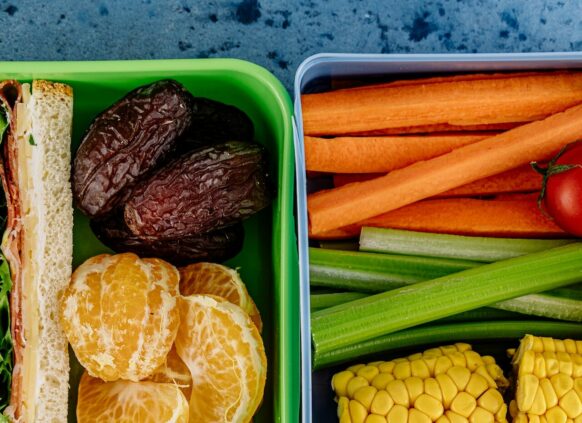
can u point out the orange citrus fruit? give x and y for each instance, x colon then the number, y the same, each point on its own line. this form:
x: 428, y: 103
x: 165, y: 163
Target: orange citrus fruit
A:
x: 219, y: 280
x: 175, y: 371
x: 120, y: 315
x: 124, y: 401
x: 225, y: 354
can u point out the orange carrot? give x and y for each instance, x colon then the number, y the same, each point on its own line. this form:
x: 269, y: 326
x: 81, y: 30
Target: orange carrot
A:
x: 513, y: 98
x: 437, y: 128
x: 521, y: 179
x: 379, y: 154
x: 352, y: 203
x: 517, y: 218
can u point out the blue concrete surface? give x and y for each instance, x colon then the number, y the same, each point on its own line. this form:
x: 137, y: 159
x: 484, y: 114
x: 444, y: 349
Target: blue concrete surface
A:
x: 279, y: 34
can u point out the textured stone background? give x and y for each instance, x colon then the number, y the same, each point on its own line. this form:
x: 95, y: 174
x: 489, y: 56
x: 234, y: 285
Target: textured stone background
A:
x: 279, y: 34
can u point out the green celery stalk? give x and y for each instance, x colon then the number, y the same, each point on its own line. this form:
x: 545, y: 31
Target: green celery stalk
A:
x: 321, y: 301
x: 368, y: 272
x: 544, y: 305
x: 401, y: 308
x: 458, y: 332
x: 484, y: 249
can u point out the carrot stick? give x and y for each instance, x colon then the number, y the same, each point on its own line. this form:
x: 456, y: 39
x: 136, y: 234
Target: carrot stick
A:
x: 514, y: 98
x: 515, y: 218
x: 352, y: 203
x: 521, y: 179
x: 379, y: 154
x: 436, y: 128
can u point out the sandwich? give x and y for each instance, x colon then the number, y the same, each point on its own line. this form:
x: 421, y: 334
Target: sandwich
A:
x: 35, y: 130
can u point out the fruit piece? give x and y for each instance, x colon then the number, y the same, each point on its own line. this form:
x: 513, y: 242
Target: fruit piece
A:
x: 215, y: 279
x: 225, y: 354
x: 219, y: 245
x: 124, y: 401
x: 126, y: 141
x: 562, y: 193
x: 120, y: 315
x: 174, y: 371
x: 204, y: 190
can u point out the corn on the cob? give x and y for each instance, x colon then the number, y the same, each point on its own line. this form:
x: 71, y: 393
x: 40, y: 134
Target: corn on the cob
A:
x: 549, y: 381
x: 448, y: 384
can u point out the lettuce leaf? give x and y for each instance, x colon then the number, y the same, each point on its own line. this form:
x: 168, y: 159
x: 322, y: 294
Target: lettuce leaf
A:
x: 4, y: 123
x: 5, y: 337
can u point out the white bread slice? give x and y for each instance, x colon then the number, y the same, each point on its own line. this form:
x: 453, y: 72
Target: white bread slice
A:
x: 43, y: 140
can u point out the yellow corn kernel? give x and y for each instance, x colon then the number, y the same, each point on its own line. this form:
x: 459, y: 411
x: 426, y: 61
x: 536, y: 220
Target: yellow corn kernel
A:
x: 559, y: 345
x: 579, y: 347
x: 473, y: 359
x: 400, y: 360
x: 448, y: 388
x: 463, y: 404
x: 538, y: 406
x: 477, y: 385
x: 430, y: 363
x: 501, y: 415
x: 578, y: 385
x: 374, y: 418
x: 552, y: 364
x: 380, y: 381
x: 549, y: 344
x: 354, y: 384
x: 415, y: 387
x: 398, y: 414
x: 419, y: 369
x: 365, y: 396
x: 571, y: 404
x: 387, y: 367
x: 429, y: 406
x: 382, y: 403
x: 562, y: 384
x: 482, y: 371
x: 487, y: 359
x: 343, y: 406
x: 402, y: 370
x: 570, y: 345
x: 532, y: 418
x: 354, y: 369
x: 462, y: 346
x: 549, y: 393
x: 527, y: 387
x: 456, y: 418
x: 556, y: 415
x: 345, y: 418
x: 497, y: 374
x: 527, y: 362
x: 398, y: 392
x: 443, y: 419
x: 432, y: 352
x: 375, y: 363
x: 432, y: 388
x: 539, y: 366
x: 460, y: 376
x: 521, y: 418
x: 357, y: 412
x: 577, y: 365
x: 448, y: 349
x: 491, y: 400
x: 368, y: 372
x: 480, y: 415
x: 416, y: 416
x: 339, y: 382
x: 416, y: 356
x: 442, y: 364
x: 458, y: 359
x: 513, y: 410
x: 566, y: 365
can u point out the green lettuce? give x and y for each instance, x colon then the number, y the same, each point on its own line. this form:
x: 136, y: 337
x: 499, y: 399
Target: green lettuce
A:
x: 3, y: 122
x: 5, y: 337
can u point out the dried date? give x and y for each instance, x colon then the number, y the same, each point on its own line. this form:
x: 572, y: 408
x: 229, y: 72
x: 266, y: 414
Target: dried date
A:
x: 216, y: 246
x: 127, y: 141
x: 204, y: 190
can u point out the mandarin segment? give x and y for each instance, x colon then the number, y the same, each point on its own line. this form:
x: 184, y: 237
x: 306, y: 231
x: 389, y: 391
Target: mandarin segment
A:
x: 225, y: 354
x: 120, y: 315
x: 175, y: 371
x: 219, y: 280
x: 124, y: 401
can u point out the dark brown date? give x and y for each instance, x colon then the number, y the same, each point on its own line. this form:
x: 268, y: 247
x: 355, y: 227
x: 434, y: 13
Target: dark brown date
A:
x: 204, y: 190
x: 213, y: 123
x: 127, y: 141
x: 216, y: 246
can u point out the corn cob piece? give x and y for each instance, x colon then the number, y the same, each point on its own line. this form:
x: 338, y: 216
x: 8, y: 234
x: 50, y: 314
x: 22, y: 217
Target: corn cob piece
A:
x: 549, y: 381
x: 448, y: 384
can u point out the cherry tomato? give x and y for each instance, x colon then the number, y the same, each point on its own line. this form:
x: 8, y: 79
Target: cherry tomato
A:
x: 563, y: 196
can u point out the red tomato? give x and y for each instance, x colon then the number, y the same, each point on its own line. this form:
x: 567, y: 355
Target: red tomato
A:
x: 563, y: 196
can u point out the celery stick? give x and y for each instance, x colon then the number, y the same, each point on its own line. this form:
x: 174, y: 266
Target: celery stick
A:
x: 401, y: 308
x: 544, y: 305
x: 368, y: 272
x: 448, y: 333
x: 476, y: 248
x: 321, y: 301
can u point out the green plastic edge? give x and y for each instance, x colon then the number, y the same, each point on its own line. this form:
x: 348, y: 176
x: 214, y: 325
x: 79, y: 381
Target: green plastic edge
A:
x: 286, y: 407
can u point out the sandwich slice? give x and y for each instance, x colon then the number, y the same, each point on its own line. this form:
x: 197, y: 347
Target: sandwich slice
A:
x: 37, y: 246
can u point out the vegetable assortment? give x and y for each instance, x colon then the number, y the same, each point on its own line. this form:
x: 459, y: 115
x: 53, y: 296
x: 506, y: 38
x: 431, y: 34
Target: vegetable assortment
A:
x: 164, y: 173
x: 466, y: 206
